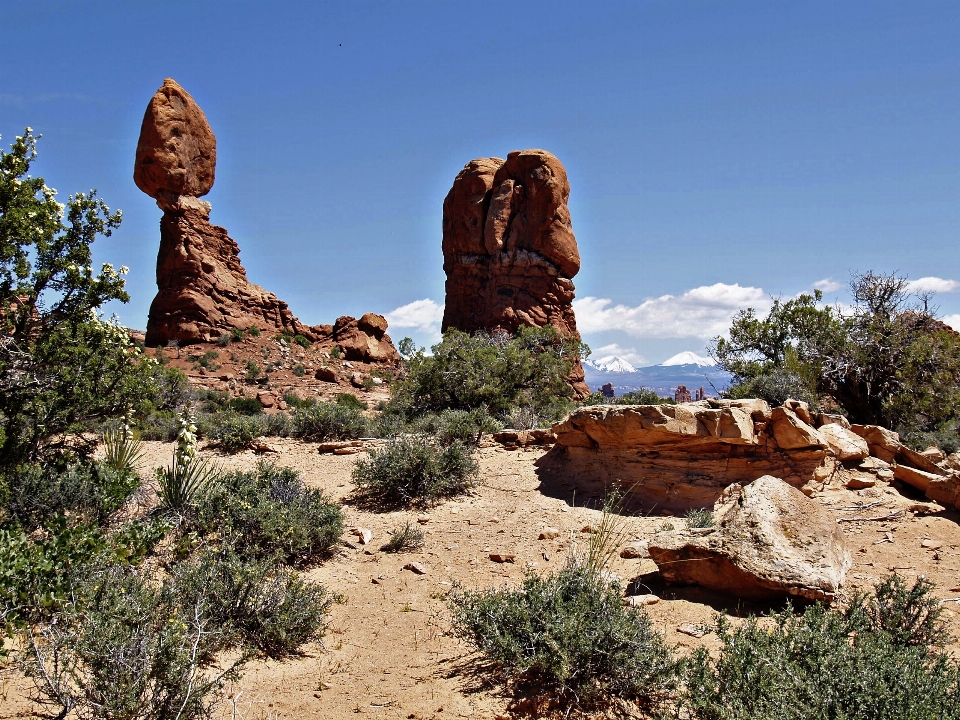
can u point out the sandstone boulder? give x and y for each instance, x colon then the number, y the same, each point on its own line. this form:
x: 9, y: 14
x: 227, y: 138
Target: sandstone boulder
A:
x: 770, y: 541
x: 177, y: 150
x: 509, y: 249
x: 673, y: 457
x: 367, y: 342
x: 845, y: 444
x: 882, y: 443
x: 791, y: 432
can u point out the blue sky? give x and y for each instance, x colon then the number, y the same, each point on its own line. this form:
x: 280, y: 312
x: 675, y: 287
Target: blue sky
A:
x: 718, y: 153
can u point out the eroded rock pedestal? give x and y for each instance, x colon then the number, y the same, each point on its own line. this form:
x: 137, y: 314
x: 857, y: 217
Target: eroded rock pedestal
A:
x: 508, y: 248
x: 202, y: 287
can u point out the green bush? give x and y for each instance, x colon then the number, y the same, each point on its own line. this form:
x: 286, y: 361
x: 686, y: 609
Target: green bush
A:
x: 452, y: 425
x: 223, y: 340
x: 493, y: 373
x: 270, y: 514
x: 415, y: 469
x: 246, y: 406
x: 699, y: 518
x: 253, y: 331
x: 568, y: 634
x: 408, y: 537
x: 88, y: 491
x: 233, y: 432
x: 253, y: 371
x: 236, y: 334
x: 878, y: 659
x: 278, y: 425
x: 295, y: 401
x: 643, y: 396
x: 299, y: 370
x: 351, y: 401
x: 301, y: 341
x: 254, y: 604
x: 327, y: 421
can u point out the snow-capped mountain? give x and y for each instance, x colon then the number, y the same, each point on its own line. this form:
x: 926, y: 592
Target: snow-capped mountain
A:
x: 688, y: 357
x: 611, y: 365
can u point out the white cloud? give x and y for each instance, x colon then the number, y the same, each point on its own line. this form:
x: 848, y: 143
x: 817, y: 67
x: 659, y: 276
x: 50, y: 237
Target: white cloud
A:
x: 608, y: 352
x: 827, y: 285
x: 932, y: 284
x: 423, y: 315
x: 702, y: 312
x: 953, y: 321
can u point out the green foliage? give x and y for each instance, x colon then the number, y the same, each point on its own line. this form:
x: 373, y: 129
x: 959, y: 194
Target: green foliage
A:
x: 181, y: 483
x: 253, y: 604
x: 234, y: 432
x: 61, y: 367
x: 86, y: 491
x: 223, y: 340
x: 415, y: 469
x: 253, y: 331
x: 328, y: 421
x: 301, y: 341
x: 122, y: 450
x: 408, y: 537
x: 643, y: 396
x: 336, y: 352
x: 449, y: 426
x: 493, y: 373
x: 351, y: 401
x: 875, y: 660
x: 253, y: 372
x: 886, y: 361
x: 245, y: 406
x: 568, y: 634
x: 270, y: 514
x: 236, y: 334
x: 299, y: 370
x: 699, y: 518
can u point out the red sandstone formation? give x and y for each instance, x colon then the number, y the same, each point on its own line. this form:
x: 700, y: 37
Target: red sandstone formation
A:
x: 203, y: 289
x: 508, y: 248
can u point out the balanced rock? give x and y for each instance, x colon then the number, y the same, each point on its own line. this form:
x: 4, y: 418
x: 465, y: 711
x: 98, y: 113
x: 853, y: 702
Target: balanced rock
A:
x: 365, y: 340
x: 770, y: 541
x: 177, y: 150
x: 509, y: 250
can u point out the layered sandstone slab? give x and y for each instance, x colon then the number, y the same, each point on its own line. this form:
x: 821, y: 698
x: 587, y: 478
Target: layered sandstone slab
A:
x: 769, y: 541
x: 508, y: 247
x: 677, y: 457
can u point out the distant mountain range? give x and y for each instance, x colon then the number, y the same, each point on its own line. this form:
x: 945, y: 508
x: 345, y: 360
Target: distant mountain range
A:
x: 686, y: 368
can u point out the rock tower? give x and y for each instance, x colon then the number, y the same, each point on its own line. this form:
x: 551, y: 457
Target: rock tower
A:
x: 202, y: 287
x: 508, y: 248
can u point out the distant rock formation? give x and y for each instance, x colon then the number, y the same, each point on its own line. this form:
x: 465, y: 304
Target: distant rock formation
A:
x: 203, y: 289
x: 508, y: 248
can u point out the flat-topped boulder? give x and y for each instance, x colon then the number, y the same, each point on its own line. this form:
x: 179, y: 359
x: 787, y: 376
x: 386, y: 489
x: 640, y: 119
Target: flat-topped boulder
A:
x: 769, y: 541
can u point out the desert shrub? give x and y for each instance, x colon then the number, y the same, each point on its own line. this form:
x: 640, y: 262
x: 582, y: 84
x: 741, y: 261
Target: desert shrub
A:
x: 493, y: 373
x: 878, y: 660
x: 946, y: 437
x: 122, y: 450
x: 299, y: 370
x: 278, y: 425
x: 223, y: 340
x: 236, y: 334
x: 301, y: 341
x: 328, y: 421
x: 336, y: 352
x: 415, y: 469
x: 38, y: 571
x: 295, y: 401
x: 697, y: 518
x: 245, y: 406
x: 568, y: 634
x: 643, y: 396
x: 253, y: 371
x: 159, y: 425
x: 88, y: 491
x: 351, y: 401
x: 254, y: 604
x: 270, y: 514
x: 233, y: 432
x: 126, y: 652
x: 181, y: 483
x: 253, y: 331
x: 408, y: 537
x: 452, y: 425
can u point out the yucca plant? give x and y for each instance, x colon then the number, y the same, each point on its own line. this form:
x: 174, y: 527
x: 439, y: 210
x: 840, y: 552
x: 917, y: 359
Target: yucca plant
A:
x: 181, y: 482
x: 123, y: 448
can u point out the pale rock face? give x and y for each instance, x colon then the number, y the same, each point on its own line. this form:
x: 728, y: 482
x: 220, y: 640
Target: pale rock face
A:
x: 845, y: 444
x: 883, y: 443
x: 770, y: 541
x: 791, y: 432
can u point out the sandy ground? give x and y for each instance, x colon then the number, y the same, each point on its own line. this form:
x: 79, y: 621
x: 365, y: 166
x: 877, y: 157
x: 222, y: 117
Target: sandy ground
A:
x: 388, y: 652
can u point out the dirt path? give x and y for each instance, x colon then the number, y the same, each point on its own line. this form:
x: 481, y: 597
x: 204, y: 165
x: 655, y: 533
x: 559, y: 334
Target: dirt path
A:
x: 388, y: 652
